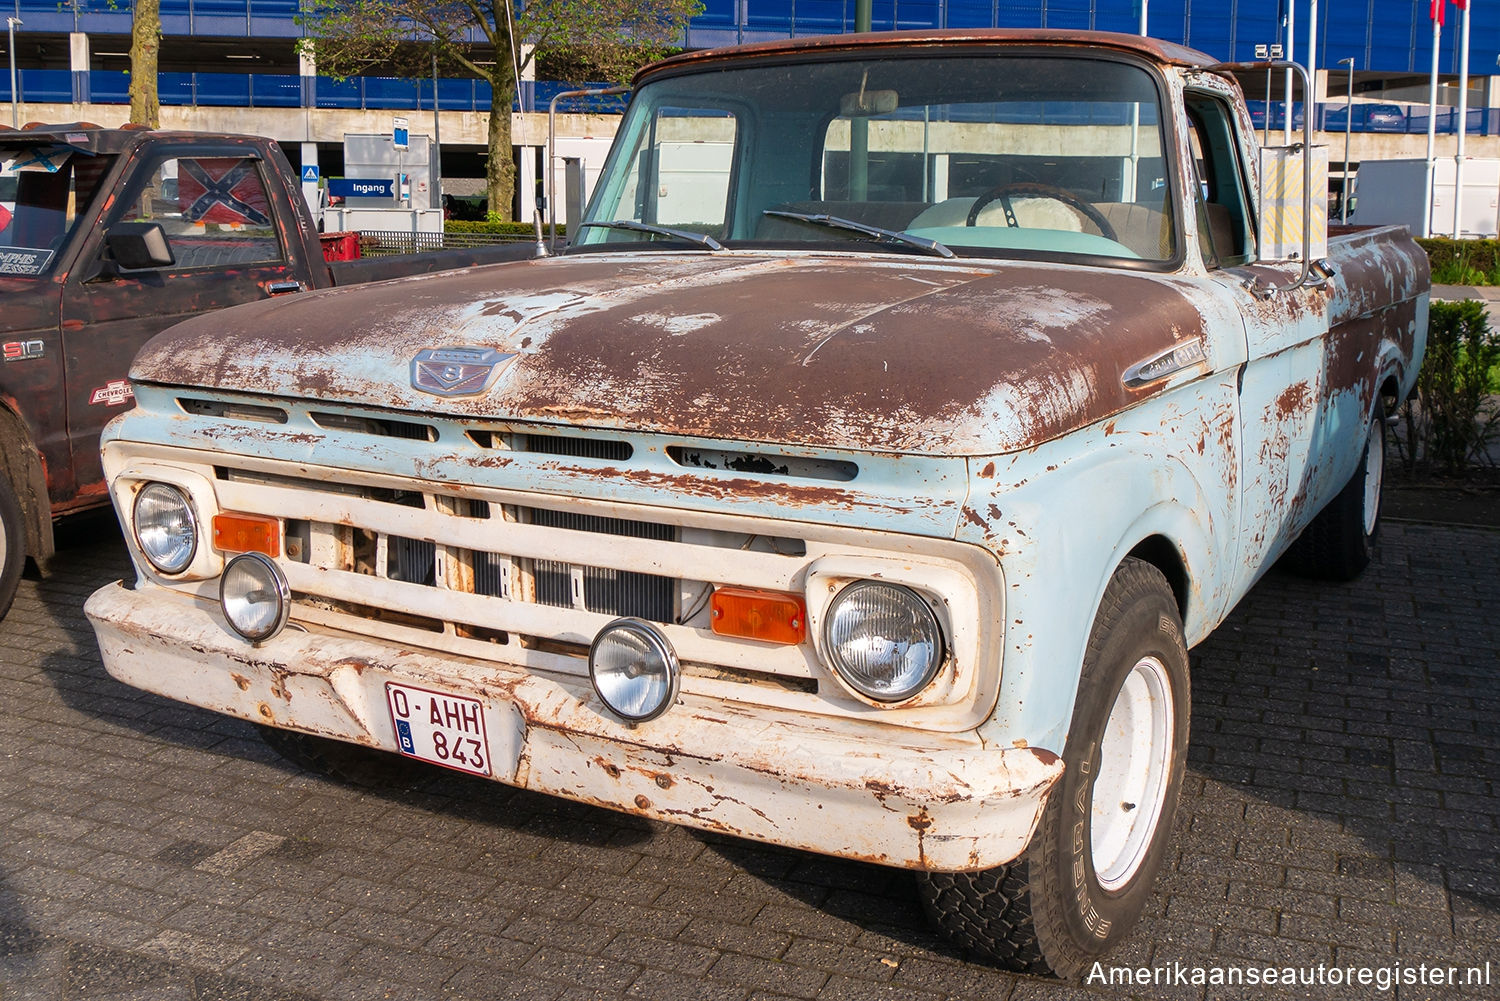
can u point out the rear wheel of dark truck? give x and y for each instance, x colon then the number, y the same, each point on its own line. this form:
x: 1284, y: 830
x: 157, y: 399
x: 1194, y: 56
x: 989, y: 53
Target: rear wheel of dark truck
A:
x: 1340, y: 541
x: 12, y: 544
x: 1083, y: 881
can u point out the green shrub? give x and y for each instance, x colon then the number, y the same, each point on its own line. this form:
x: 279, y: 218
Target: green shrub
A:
x: 497, y: 228
x: 1453, y: 415
x: 1463, y: 262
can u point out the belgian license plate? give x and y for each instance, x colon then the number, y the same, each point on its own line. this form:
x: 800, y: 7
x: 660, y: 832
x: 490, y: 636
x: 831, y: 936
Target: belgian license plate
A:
x: 446, y: 730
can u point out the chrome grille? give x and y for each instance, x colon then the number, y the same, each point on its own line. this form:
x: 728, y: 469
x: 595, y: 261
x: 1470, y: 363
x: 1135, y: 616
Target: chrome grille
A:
x: 411, y: 560
x: 611, y: 592
x: 554, y: 583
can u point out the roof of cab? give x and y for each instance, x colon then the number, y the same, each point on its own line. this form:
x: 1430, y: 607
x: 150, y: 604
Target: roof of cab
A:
x: 91, y: 138
x: 1168, y: 53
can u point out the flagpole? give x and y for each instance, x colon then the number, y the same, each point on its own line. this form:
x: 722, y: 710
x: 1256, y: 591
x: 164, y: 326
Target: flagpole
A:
x: 1437, y: 30
x: 1463, y: 117
x: 1291, y: 56
x: 1310, y: 101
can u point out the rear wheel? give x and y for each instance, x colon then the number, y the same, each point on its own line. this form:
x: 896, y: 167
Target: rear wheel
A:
x: 1340, y: 542
x: 1086, y: 876
x: 12, y: 545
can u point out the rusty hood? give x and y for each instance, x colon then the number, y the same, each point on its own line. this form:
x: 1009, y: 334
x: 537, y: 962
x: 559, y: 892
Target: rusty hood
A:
x: 886, y: 354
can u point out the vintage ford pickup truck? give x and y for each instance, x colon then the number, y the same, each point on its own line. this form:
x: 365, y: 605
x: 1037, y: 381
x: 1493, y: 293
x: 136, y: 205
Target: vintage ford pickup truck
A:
x: 108, y: 237
x: 857, y: 481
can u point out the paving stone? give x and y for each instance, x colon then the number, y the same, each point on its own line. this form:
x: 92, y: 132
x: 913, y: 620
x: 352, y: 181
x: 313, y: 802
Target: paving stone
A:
x: 1340, y: 806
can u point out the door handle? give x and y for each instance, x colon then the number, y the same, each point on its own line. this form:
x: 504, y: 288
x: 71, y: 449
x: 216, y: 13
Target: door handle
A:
x: 282, y: 288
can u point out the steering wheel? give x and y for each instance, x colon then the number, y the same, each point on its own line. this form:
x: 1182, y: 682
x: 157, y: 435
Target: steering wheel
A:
x: 1005, y: 192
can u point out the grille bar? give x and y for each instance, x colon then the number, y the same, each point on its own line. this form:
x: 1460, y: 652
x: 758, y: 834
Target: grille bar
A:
x: 665, y: 558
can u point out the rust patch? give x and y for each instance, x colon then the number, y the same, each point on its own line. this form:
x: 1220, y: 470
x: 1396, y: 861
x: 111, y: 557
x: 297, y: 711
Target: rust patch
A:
x: 1293, y: 400
x: 240, y: 680
x: 881, y: 44
x: 1044, y: 756
x: 358, y: 664
x: 988, y: 472
x: 643, y: 803
x: 828, y: 353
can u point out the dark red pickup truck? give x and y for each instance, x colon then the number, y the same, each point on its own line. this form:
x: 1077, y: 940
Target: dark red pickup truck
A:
x: 107, y: 237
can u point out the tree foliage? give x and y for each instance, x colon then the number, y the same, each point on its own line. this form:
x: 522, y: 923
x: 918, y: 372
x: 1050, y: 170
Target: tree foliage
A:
x: 495, y: 41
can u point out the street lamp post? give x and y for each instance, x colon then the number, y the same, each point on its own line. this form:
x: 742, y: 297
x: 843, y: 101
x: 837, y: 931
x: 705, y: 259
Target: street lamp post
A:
x: 15, y: 90
x: 1348, y: 125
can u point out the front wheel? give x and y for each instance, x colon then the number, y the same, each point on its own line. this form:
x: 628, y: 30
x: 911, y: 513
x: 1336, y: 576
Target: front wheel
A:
x: 12, y: 544
x: 1083, y: 881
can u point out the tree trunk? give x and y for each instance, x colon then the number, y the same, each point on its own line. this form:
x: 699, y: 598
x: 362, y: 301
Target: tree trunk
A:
x: 145, y: 47
x: 500, y: 168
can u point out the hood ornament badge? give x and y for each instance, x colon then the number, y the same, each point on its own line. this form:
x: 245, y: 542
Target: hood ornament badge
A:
x: 458, y: 371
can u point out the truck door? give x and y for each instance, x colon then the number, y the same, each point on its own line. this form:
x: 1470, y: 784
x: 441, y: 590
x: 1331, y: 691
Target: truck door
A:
x: 48, y: 189
x: 1280, y: 384
x: 219, y: 216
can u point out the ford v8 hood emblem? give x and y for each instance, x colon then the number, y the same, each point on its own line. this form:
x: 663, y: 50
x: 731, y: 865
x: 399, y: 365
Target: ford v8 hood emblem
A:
x: 457, y: 371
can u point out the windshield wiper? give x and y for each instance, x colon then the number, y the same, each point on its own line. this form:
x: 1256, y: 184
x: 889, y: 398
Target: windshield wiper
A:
x: 834, y: 222
x: 702, y: 239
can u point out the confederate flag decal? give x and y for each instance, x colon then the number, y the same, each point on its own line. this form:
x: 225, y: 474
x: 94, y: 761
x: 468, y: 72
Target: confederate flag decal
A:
x: 4, y: 217
x: 221, y: 190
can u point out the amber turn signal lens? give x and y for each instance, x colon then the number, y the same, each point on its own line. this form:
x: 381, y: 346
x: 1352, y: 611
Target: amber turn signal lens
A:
x: 244, y: 533
x: 772, y: 616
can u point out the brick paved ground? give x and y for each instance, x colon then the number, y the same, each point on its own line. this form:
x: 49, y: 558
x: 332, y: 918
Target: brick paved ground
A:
x: 1341, y: 808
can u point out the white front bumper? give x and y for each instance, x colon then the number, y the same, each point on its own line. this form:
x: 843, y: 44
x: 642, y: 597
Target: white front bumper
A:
x: 850, y: 788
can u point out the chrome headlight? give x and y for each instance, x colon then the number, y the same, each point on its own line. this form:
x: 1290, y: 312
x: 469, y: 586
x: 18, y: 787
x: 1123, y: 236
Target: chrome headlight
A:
x: 634, y: 670
x: 165, y: 527
x: 883, y: 640
x: 254, y: 597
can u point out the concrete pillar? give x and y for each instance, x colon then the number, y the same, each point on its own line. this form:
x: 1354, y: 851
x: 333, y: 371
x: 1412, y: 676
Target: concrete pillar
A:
x: 78, y: 59
x: 526, y: 182
x: 526, y: 86
x: 307, y: 66
x: 310, y: 179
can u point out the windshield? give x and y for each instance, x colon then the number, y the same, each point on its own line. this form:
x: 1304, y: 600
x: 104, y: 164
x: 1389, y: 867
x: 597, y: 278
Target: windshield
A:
x: 43, y: 192
x: 992, y: 154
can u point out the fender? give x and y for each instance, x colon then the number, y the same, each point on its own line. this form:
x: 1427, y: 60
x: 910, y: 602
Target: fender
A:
x: 1063, y: 517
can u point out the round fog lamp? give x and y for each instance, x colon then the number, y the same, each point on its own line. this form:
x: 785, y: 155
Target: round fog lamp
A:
x: 165, y: 527
x: 883, y: 640
x: 254, y: 596
x: 634, y: 670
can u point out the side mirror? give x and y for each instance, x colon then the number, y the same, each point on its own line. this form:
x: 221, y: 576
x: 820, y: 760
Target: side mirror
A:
x: 137, y: 246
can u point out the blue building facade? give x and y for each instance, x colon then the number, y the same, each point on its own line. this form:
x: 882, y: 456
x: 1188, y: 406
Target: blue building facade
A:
x: 1386, y: 39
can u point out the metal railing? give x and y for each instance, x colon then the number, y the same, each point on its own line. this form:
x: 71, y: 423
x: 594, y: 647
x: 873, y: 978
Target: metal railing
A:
x: 390, y: 243
x: 282, y: 90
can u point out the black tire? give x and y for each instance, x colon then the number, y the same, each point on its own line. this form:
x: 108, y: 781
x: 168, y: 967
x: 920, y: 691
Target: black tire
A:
x: 12, y: 545
x: 1031, y: 915
x: 338, y: 759
x: 1340, y: 541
